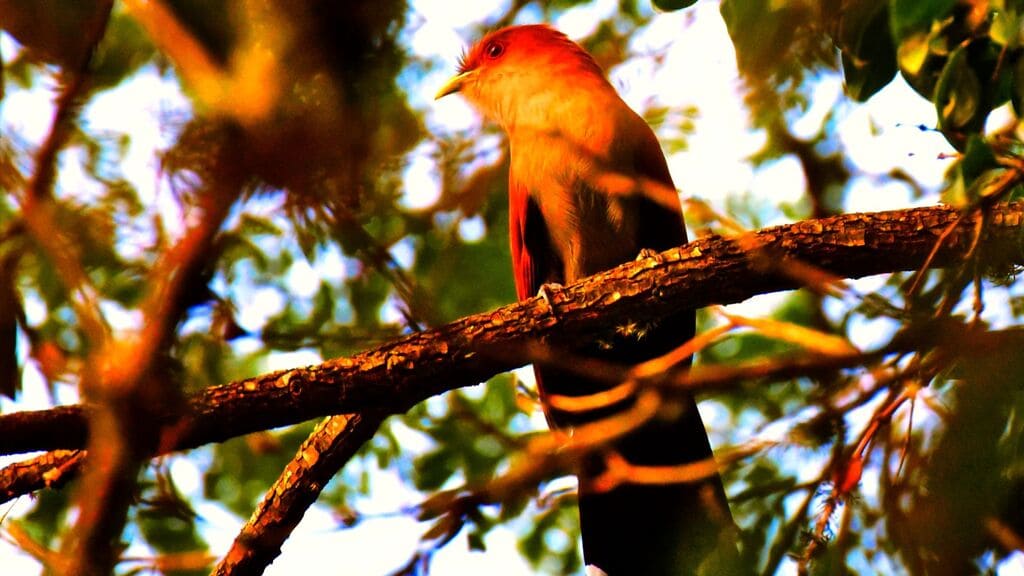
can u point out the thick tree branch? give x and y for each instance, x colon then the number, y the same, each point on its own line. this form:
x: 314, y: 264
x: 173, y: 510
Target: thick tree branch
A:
x: 327, y: 450
x: 398, y: 375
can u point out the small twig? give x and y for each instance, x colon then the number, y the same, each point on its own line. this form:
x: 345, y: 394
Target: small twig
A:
x: 918, y: 276
x: 54, y: 562
x: 905, y: 448
x: 1004, y: 534
x: 619, y: 470
x: 819, y: 536
x: 1000, y: 188
x: 787, y: 534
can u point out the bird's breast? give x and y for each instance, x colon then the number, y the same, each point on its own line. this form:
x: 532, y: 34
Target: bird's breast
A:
x: 589, y: 228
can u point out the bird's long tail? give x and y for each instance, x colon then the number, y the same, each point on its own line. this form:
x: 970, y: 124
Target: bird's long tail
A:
x: 649, y: 529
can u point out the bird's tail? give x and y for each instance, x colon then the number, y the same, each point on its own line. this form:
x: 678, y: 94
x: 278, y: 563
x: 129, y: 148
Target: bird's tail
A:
x: 646, y: 527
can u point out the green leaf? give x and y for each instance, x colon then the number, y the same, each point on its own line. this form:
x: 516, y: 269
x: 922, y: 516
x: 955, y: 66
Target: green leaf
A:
x: 921, y: 57
x: 913, y: 53
x: 977, y: 159
x: 957, y: 94
x: 907, y: 16
x: 367, y: 294
x: 672, y: 5
x: 48, y: 515
x: 467, y: 277
x: 241, y: 468
x: 974, y: 80
x: 124, y: 48
x: 971, y: 453
x: 475, y: 539
x: 1006, y: 28
x: 759, y: 33
x: 432, y: 470
x: 869, y: 55
x: 323, y: 305
x: 168, y: 533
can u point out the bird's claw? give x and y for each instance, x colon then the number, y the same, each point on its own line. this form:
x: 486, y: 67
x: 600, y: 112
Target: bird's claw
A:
x: 545, y: 294
x: 646, y: 253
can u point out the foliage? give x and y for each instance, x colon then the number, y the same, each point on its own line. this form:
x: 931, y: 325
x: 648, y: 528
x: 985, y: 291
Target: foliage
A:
x: 298, y: 130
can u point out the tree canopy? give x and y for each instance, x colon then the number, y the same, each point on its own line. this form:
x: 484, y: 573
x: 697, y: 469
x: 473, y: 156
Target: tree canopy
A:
x: 180, y: 298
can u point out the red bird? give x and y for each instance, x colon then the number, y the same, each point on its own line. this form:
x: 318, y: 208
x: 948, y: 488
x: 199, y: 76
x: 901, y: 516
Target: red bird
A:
x: 588, y: 190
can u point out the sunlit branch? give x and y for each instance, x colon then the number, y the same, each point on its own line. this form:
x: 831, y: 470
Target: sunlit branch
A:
x: 618, y: 470
x: 49, y: 470
x: 666, y: 362
x: 807, y: 338
x: 331, y: 445
x: 53, y: 561
x: 169, y: 562
x: 595, y: 401
x: 1007, y: 537
x: 404, y: 372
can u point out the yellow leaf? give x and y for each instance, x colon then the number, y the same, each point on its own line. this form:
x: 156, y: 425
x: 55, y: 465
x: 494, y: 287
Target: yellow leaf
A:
x: 813, y: 340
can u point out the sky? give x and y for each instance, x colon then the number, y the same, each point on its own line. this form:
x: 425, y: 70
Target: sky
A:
x: 699, y: 70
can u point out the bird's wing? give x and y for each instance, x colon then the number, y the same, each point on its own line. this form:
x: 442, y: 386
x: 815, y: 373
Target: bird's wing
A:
x: 659, y: 210
x: 522, y: 261
x: 528, y: 239
x: 532, y: 259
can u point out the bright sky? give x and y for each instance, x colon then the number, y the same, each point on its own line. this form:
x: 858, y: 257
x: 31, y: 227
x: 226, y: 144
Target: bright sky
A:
x: 699, y: 71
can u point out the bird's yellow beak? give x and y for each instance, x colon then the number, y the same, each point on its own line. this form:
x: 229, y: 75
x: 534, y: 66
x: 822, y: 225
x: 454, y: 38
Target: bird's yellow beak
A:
x: 455, y: 84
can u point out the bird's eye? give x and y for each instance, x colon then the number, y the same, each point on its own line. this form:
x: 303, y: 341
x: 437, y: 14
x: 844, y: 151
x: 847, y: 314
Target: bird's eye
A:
x: 494, y: 50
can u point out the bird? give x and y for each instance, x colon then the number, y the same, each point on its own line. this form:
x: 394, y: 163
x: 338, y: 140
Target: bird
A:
x: 589, y: 189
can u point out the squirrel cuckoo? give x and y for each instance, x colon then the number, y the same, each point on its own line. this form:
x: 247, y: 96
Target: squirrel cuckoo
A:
x: 589, y: 189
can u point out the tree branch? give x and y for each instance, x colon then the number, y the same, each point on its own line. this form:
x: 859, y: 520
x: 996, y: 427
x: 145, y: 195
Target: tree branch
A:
x: 321, y: 456
x: 400, y: 374
x: 49, y: 470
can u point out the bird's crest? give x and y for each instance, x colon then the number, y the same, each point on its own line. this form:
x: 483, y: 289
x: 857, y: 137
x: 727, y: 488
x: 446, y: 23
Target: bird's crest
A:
x: 529, y: 37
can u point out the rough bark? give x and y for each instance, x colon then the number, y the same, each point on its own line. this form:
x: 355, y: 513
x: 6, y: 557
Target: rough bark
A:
x: 327, y: 450
x: 713, y: 270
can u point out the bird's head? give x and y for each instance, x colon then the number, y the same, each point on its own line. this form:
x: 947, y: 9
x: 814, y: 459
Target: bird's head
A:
x: 524, y: 72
